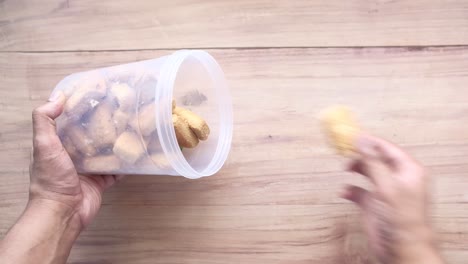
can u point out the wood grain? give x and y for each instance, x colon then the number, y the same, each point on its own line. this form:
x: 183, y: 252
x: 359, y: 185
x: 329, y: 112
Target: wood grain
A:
x: 50, y: 25
x: 276, y: 200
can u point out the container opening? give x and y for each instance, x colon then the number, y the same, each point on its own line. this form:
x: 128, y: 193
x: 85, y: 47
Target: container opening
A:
x: 194, y: 90
x: 199, y: 85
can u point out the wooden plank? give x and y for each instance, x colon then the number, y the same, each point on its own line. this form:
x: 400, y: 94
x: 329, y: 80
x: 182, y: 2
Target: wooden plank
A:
x: 275, y: 200
x: 49, y: 25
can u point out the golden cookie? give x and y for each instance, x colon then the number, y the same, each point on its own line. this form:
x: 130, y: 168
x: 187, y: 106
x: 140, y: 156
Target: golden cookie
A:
x: 125, y: 96
x: 101, y: 164
x: 341, y: 128
x: 121, y: 119
x: 185, y: 136
x: 82, y: 142
x: 101, y: 127
x: 128, y: 147
x: 85, y: 96
x: 146, y: 120
x: 195, y: 122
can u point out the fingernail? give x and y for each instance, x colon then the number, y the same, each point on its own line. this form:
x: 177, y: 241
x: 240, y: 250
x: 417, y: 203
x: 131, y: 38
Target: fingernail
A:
x: 119, y: 177
x: 54, y: 96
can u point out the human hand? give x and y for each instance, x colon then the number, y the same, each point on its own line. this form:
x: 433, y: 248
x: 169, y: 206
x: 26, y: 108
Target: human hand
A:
x: 54, y: 178
x: 395, y: 212
x: 61, y: 202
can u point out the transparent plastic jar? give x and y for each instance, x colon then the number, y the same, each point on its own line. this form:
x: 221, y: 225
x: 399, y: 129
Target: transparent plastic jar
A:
x: 118, y: 120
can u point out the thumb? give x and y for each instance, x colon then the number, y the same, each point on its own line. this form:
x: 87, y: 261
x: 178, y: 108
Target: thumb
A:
x: 44, y: 130
x: 357, y: 195
x: 54, y: 106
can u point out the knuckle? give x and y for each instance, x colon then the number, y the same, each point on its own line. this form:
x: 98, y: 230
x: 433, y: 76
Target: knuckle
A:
x: 42, y: 141
x: 413, y: 167
x: 45, y: 146
x: 413, y: 178
x: 418, y: 171
x: 388, y: 193
x: 37, y: 113
x: 38, y: 116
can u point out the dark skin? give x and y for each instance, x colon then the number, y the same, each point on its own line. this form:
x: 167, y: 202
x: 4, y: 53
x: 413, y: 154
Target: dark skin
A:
x: 62, y: 202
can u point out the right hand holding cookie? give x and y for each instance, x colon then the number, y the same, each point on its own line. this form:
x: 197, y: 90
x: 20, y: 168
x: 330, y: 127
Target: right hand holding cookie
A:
x: 395, y: 212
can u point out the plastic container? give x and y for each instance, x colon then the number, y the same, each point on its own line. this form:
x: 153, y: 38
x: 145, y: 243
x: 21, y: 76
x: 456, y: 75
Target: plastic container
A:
x: 118, y: 120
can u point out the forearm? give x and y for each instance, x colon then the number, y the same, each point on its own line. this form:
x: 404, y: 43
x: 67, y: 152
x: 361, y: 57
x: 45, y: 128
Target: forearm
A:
x: 44, y: 234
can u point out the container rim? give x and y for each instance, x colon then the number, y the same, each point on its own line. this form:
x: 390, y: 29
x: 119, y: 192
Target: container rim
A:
x: 165, y: 128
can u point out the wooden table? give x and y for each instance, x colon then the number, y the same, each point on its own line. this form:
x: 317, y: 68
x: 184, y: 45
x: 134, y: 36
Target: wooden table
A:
x: 401, y: 64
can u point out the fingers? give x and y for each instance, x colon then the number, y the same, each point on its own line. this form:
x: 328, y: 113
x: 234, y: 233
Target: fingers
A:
x: 45, y: 135
x: 54, y: 106
x: 359, y: 166
x: 102, y: 182
x: 388, y: 153
x: 44, y: 115
x: 110, y: 180
x: 357, y: 195
x: 119, y: 177
x: 371, y: 170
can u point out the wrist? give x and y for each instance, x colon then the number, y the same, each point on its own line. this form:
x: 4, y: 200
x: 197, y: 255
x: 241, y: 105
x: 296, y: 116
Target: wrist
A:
x: 419, y: 247
x: 60, y: 213
x: 425, y: 254
x: 46, y: 231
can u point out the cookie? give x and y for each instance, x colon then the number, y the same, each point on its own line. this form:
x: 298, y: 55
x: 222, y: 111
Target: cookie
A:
x: 100, y: 164
x: 79, y: 138
x: 88, y: 93
x: 124, y: 96
x: 120, y: 119
x: 341, y: 128
x: 145, y: 120
x: 101, y: 127
x: 185, y: 136
x: 197, y: 124
x: 128, y: 147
